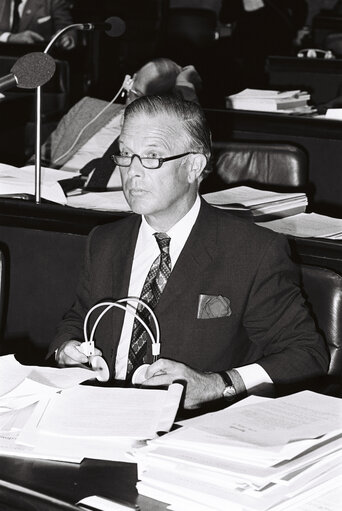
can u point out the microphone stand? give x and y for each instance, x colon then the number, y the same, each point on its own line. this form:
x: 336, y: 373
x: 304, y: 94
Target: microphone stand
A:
x: 75, y: 26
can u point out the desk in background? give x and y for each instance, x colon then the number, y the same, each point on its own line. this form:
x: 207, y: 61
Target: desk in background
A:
x: 69, y: 482
x: 45, y: 245
x: 321, y: 138
x: 322, y: 78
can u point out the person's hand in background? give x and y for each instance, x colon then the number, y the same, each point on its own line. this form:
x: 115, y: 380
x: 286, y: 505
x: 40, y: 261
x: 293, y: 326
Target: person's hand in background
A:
x: 67, y: 42
x: 26, y: 37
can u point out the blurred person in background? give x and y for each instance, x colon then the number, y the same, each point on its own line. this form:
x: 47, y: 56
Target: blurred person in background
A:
x: 262, y: 28
x: 36, y: 21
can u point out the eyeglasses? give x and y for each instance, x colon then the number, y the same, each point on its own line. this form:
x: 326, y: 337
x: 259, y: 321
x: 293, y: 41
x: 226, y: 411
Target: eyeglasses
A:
x: 146, y: 162
x: 136, y: 93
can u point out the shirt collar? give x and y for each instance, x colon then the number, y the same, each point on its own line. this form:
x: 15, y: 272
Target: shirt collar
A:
x: 179, y: 232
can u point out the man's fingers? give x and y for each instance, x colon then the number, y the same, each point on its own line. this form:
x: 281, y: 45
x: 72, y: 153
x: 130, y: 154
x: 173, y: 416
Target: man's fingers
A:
x: 70, y: 354
x: 157, y: 380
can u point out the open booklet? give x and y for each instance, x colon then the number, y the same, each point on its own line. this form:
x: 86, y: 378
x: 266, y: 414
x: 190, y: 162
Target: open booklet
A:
x: 19, y: 182
x: 263, y: 204
x: 307, y: 225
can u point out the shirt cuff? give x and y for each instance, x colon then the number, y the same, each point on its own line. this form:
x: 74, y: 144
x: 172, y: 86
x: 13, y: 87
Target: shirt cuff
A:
x: 4, y: 37
x: 256, y: 380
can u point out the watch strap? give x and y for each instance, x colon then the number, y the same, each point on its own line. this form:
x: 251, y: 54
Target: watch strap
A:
x: 226, y: 378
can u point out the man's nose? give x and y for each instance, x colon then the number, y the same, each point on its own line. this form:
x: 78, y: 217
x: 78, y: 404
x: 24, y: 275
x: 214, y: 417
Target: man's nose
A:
x: 136, y: 166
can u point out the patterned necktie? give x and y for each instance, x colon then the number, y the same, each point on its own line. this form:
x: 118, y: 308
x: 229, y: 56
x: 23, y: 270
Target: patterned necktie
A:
x: 16, y: 17
x: 153, y: 287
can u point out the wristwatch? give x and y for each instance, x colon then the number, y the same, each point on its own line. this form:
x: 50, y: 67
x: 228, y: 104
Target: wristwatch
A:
x: 229, y: 392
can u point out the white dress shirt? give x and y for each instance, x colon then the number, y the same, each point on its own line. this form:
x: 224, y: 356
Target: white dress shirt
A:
x: 146, y: 251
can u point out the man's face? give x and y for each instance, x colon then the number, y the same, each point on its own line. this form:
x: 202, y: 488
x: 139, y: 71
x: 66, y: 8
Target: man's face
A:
x: 163, y: 195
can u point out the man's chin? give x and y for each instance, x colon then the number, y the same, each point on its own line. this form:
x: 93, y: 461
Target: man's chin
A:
x: 140, y: 205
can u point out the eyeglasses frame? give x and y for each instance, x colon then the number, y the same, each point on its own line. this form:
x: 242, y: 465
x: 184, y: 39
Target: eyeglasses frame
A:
x: 161, y: 161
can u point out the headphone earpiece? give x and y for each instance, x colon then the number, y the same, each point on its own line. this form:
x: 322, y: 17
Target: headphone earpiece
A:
x: 128, y: 83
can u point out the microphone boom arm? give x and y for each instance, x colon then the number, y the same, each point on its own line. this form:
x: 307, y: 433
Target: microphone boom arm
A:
x: 38, y: 169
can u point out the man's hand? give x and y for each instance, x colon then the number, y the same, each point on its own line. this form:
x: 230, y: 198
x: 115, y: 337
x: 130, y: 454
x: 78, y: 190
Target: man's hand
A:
x: 189, y: 75
x: 67, y: 42
x: 70, y: 354
x: 26, y: 37
x: 199, y: 387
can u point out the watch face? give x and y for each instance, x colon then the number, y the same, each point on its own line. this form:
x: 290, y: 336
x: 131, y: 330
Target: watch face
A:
x: 229, y: 392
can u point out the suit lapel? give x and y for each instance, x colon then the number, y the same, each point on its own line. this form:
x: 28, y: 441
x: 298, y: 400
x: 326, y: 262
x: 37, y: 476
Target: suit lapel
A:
x: 30, y: 12
x: 5, y: 11
x: 198, y: 252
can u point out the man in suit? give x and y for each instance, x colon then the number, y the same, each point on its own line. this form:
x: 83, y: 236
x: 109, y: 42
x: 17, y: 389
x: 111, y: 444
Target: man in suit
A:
x: 35, y: 21
x: 231, y: 314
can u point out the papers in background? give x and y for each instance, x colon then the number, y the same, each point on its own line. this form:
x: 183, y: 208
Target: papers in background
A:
x: 307, y: 225
x: 263, y: 204
x: 292, y: 101
x: 102, y: 201
x: 18, y: 182
x: 258, y: 456
x: 334, y: 114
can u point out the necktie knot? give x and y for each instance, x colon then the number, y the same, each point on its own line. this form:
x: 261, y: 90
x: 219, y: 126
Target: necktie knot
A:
x: 163, y: 241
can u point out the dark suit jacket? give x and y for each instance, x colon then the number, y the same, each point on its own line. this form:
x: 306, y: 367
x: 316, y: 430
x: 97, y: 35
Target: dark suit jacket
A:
x: 224, y: 255
x: 45, y: 17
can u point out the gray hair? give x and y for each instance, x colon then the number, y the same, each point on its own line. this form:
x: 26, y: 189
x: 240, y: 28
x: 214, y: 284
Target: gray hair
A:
x: 190, y: 114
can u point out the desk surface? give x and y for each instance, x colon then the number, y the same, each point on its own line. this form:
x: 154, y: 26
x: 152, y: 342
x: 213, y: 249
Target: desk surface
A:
x: 69, y: 482
x: 53, y: 217
x: 307, y: 125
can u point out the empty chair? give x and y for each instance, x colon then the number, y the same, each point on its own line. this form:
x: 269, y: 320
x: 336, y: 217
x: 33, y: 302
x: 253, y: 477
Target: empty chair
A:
x: 269, y: 165
x: 3, y: 289
x: 323, y: 289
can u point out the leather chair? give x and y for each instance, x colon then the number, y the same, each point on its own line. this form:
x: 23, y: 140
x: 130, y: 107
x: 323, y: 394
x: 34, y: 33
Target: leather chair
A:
x: 323, y: 290
x: 270, y: 165
x: 3, y: 288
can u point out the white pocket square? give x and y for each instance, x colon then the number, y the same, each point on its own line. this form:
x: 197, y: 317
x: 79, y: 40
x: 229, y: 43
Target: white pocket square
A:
x: 210, y: 306
x: 44, y: 19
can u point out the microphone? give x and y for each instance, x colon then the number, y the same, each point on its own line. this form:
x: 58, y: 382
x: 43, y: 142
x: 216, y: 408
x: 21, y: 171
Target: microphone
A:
x: 113, y: 26
x: 29, y: 71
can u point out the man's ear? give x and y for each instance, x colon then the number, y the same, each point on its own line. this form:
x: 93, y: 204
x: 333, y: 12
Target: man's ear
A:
x: 197, y: 163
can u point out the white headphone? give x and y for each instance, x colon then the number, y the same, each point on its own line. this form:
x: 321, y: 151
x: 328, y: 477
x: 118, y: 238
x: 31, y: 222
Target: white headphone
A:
x: 97, y: 363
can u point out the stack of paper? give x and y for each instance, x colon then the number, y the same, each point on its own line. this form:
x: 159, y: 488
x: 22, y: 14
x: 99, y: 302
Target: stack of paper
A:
x: 292, y: 101
x: 263, y: 204
x: 44, y: 413
x: 265, y: 454
x: 307, y: 225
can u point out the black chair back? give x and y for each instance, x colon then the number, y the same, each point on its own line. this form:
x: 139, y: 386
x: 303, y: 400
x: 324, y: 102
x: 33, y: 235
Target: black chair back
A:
x: 272, y: 165
x: 323, y: 289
